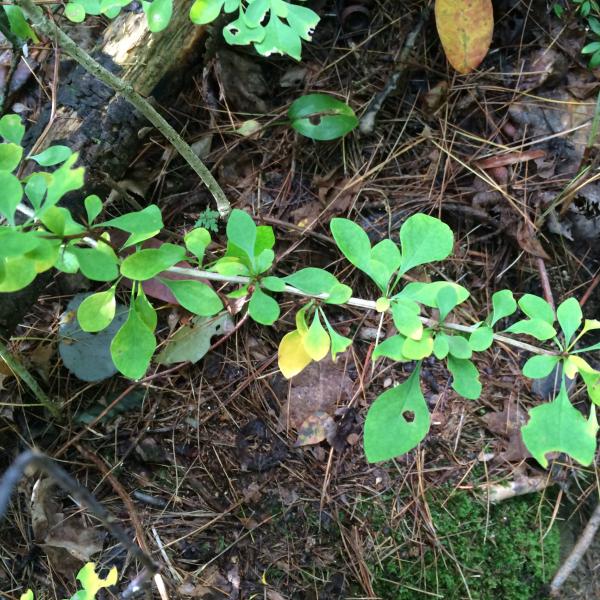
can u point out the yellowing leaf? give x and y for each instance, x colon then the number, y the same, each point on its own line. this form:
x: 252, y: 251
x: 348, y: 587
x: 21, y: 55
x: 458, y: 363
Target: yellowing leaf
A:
x: 465, y: 28
x: 292, y: 357
x: 316, y: 341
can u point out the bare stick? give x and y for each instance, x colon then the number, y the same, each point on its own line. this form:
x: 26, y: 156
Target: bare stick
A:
x: 40, y: 22
x: 367, y: 121
x: 583, y: 543
x: 81, y: 495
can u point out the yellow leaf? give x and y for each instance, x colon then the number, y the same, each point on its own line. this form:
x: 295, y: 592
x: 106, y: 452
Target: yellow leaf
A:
x: 465, y: 28
x: 292, y: 356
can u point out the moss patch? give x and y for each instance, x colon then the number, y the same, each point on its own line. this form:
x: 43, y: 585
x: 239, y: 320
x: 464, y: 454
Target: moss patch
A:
x: 495, y: 554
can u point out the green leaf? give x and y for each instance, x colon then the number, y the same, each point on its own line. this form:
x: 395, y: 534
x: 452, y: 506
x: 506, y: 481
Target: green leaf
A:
x: 385, y: 260
x: 91, y: 583
x: 482, y: 338
x: 339, y: 343
x: 17, y: 243
x: 536, y: 308
x: 238, y: 33
x: 302, y: 20
x: 263, y: 308
x: 279, y: 38
x: 93, y: 207
x: 264, y: 261
x: 51, y: 156
x: 147, y: 263
x: 397, y: 421
x: 10, y: 156
x: 146, y: 221
x: 391, y: 348
x: 75, y: 12
x: 540, y: 329
x: 316, y: 342
x: 558, y: 426
x: 205, y: 11
x: 158, y: 14
x: 95, y: 264
x: 569, y: 317
x: 592, y: 382
x: 427, y: 293
x: 195, y: 296
x: 405, y: 313
x: 446, y: 301
x: 60, y: 222
x: 540, y: 366
x: 145, y: 310
x: 458, y: 346
x: 319, y: 282
x: 241, y: 232
x: 21, y: 28
x: 196, y: 241
x: 192, y: 341
x: 35, y: 189
x: 504, y: 305
x: 352, y: 240
x: 424, y: 239
x: 11, y: 128
x: 441, y: 347
x: 97, y: 311
x: 465, y: 377
x: 418, y: 349
x: 64, y: 180
x: 18, y: 272
x: 12, y: 192
x: 273, y: 284
x: 320, y: 117
x: 133, y: 346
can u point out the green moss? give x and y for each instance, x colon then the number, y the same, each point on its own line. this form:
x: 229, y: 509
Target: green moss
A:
x: 494, y: 554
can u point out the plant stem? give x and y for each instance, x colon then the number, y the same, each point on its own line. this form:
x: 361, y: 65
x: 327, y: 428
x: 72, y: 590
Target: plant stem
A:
x: 23, y: 374
x: 357, y: 302
x: 40, y: 22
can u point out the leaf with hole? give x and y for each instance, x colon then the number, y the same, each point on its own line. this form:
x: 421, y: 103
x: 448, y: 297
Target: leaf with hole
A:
x: 321, y: 117
x: 397, y: 421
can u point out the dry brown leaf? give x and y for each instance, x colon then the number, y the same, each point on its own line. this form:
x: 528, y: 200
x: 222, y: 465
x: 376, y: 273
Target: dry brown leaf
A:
x: 318, y: 388
x: 68, y: 543
x: 507, y: 423
x: 528, y: 241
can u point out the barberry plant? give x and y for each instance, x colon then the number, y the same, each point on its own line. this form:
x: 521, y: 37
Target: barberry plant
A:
x: 124, y: 253
x: 91, y: 583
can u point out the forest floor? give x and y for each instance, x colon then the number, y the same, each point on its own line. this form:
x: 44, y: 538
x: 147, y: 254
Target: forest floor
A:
x: 202, y: 465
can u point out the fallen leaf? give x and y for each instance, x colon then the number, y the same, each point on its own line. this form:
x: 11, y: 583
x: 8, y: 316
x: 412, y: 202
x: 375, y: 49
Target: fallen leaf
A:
x: 320, y: 387
x: 529, y: 242
x: 67, y: 542
x: 465, y: 28
x: 316, y: 428
x: 191, y: 342
x: 507, y: 423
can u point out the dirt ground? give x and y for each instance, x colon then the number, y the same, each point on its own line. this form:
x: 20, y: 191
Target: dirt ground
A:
x: 201, y: 465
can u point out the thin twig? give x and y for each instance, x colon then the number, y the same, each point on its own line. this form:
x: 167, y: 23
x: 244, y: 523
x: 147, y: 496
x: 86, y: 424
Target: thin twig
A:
x: 367, y: 121
x: 40, y: 22
x: 583, y: 543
